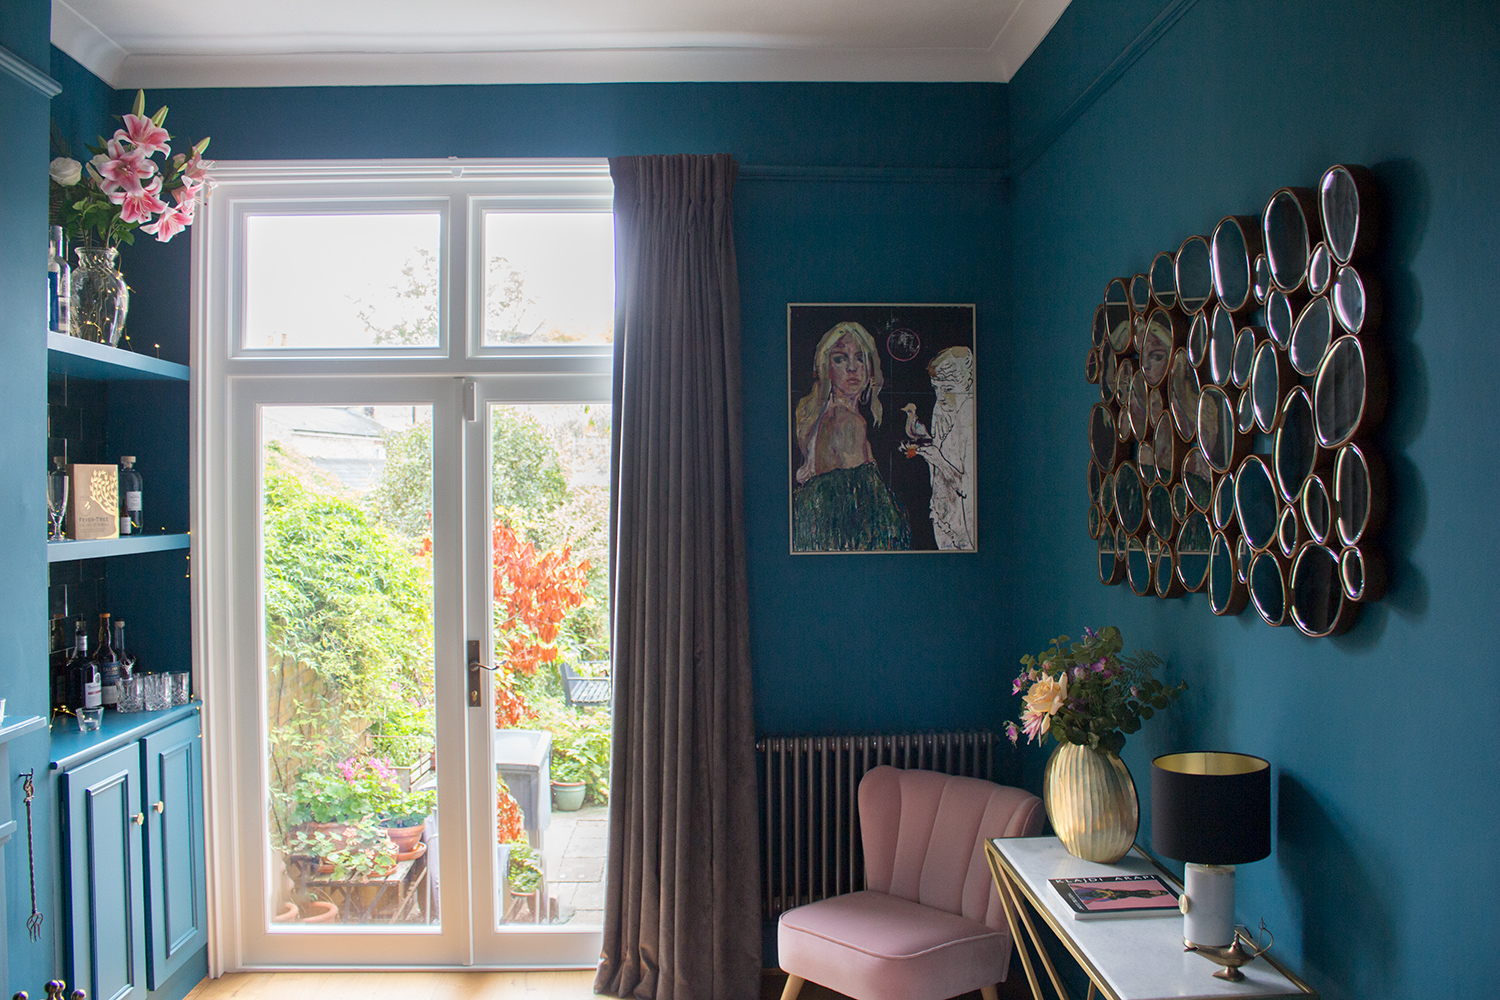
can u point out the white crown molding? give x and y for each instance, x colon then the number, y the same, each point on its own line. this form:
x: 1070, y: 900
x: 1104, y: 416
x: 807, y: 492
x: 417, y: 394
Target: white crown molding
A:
x: 91, y: 48
x: 1024, y: 30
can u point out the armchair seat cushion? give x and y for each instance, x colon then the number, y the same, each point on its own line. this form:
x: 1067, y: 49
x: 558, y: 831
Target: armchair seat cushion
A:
x: 871, y: 946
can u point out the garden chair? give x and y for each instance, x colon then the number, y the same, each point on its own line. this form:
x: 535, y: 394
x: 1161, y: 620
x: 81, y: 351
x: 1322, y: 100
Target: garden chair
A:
x: 585, y: 691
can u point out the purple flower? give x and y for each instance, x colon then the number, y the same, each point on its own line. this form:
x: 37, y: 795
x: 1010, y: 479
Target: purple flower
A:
x: 1079, y: 673
x: 1018, y: 685
x: 1101, y: 665
x: 1089, y: 633
x: 1012, y: 732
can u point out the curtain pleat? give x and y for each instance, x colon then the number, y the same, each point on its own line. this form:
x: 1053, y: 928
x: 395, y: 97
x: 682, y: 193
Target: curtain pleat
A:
x: 682, y: 917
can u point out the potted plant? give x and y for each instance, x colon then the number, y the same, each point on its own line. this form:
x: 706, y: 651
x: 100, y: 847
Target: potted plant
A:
x: 523, y: 880
x: 1088, y: 698
x: 404, y: 815
x: 353, y: 852
x: 568, y: 784
x: 580, y: 755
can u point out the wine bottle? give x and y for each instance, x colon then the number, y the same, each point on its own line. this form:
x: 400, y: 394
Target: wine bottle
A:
x: 130, y: 497
x: 79, y: 669
x: 107, y: 665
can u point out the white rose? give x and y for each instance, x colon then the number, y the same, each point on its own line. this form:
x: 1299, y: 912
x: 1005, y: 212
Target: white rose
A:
x: 65, y: 170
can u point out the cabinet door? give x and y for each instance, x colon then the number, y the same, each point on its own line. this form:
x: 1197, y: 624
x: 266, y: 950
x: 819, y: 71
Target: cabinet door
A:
x: 176, y: 896
x: 105, y: 925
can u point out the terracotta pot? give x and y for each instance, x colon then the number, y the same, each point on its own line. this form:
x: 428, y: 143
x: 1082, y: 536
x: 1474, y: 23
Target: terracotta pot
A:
x: 405, y: 837
x: 416, y: 852
x: 321, y: 912
x: 287, y: 915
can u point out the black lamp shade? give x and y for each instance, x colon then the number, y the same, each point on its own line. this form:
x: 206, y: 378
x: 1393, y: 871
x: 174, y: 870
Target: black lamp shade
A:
x: 1211, y: 808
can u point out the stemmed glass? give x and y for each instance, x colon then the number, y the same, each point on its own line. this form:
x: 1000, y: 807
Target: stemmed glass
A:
x: 57, y: 500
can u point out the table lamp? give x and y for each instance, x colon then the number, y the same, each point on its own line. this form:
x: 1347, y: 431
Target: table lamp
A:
x: 1213, y: 811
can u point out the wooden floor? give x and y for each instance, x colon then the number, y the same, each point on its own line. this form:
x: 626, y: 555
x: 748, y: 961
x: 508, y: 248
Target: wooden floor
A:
x: 464, y: 986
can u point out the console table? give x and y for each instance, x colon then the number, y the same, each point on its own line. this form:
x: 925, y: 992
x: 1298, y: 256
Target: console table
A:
x: 1125, y: 958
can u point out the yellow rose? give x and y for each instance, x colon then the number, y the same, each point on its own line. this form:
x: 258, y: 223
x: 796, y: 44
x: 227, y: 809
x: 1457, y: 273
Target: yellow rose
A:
x: 1047, y: 695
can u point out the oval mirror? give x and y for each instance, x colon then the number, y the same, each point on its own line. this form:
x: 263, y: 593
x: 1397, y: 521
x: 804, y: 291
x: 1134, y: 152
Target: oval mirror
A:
x: 1096, y: 521
x: 1294, y: 452
x: 1268, y: 587
x: 1197, y: 340
x: 1167, y: 584
x: 1218, y: 437
x: 1154, y: 406
x: 1318, y: 607
x: 1164, y: 443
x: 1224, y: 502
x: 1103, y: 444
x: 1289, y: 531
x: 1262, y: 286
x: 1339, y: 392
x: 1197, y: 478
x: 1193, y: 543
x: 1245, y: 412
x: 1158, y: 344
x: 1231, y: 249
x: 1183, y: 393
x: 1255, y: 505
x: 1093, y: 368
x: 1244, y: 357
x: 1319, y: 269
x: 1137, y: 332
x: 1345, y: 202
x: 1221, y: 347
x: 1269, y: 373
x: 1111, y: 559
x: 1140, y: 293
x: 1140, y: 407
x: 1164, y: 280
x: 1107, y: 494
x: 1145, y: 461
x: 1195, y: 275
x: 1358, y: 497
x: 1284, y: 227
x: 1243, y: 556
x: 1317, y: 510
x: 1363, y: 575
x: 1117, y: 314
x: 1096, y: 479
x: 1100, y: 331
x: 1124, y: 374
x: 1137, y: 566
x: 1181, y: 505
x: 1130, y: 498
x: 1226, y: 590
x: 1311, y: 337
x: 1154, y: 546
x: 1108, y: 376
x: 1159, y: 504
x: 1351, y: 302
x: 1279, y: 323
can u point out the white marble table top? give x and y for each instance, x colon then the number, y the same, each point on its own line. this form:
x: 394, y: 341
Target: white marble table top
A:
x: 1138, y: 958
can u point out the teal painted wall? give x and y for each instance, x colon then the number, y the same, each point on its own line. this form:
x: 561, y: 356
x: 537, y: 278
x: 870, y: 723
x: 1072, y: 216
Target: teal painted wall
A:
x: 1382, y: 740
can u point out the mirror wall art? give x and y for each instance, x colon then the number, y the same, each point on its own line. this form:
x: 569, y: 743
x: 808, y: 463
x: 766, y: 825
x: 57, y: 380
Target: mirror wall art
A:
x: 1241, y: 384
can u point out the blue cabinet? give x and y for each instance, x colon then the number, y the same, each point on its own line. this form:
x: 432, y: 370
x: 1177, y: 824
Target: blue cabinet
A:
x: 133, y: 863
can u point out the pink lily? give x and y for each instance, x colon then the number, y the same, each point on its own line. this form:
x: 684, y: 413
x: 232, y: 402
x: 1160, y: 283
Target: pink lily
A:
x: 144, y: 134
x: 196, y: 169
x: 140, y: 207
x: 125, y: 170
x: 169, y: 224
x: 186, y: 199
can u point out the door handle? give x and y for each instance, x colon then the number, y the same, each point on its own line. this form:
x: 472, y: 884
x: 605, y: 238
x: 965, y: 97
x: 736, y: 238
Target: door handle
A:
x: 160, y: 808
x: 476, y: 664
x: 140, y: 819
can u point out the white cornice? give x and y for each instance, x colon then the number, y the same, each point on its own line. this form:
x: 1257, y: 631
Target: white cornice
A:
x: 78, y: 37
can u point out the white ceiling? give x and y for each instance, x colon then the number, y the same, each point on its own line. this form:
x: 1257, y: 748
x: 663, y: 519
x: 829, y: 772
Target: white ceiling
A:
x: 245, y: 43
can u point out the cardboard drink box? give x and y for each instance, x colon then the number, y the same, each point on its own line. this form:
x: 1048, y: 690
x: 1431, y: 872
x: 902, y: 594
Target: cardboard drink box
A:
x: 94, y: 492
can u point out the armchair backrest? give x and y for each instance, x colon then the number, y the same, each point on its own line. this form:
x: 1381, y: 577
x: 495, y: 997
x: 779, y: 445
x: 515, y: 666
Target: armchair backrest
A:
x: 924, y: 835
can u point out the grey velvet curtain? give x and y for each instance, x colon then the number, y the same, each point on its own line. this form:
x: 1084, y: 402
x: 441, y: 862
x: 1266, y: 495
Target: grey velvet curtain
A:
x: 681, y: 918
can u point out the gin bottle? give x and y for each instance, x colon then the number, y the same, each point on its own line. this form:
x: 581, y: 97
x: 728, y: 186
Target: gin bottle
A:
x: 130, y: 497
x: 107, y: 665
x: 79, y: 668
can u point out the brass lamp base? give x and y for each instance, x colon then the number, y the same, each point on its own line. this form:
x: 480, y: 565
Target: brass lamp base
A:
x: 1241, y: 952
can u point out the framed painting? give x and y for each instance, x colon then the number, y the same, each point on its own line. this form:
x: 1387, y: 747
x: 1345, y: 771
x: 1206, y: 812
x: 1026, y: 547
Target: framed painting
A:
x: 881, y: 413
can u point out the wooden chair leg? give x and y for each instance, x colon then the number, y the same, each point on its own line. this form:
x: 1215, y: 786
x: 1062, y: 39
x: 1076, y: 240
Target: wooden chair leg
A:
x: 989, y: 993
x: 794, y: 986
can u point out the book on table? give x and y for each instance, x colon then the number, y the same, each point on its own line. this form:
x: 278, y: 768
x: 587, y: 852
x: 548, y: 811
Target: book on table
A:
x: 1102, y: 896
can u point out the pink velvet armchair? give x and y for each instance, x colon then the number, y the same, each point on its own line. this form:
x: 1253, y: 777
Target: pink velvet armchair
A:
x: 930, y: 925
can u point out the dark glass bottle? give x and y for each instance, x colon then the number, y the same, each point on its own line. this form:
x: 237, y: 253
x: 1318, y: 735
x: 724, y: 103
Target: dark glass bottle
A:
x: 130, y: 497
x: 79, y: 668
x: 57, y: 655
x: 127, y: 659
x: 107, y: 665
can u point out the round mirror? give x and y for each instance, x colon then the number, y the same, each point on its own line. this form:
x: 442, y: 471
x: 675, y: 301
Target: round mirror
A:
x: 1140, y: 293
x: 1096, y: 521
x: 1140, y: 407
x: 1311, y: 337
x: 1279, y: 323
x: 1183, y: 392
x: 1137, y: 332
x: 1244, y: 357
x: 1117, y: 314
x: 1164, y: 443
x: 1319, y: 269
x: 1111, y: 558
x: 1154, y: 547
x: 1289, y: 531
x: 1226, y: 589
x: 1167, y: 584
x: 1195, y: 275
x: 1154, y: 406
x: 1224, y: 502
x: 1268, y: 587
x: 1317, y: 510
x: 1294, y: 452
x: 1318, y: 607
x: 1103, y: 444
x: 1092, y: 367
x: 1164, y: 280
x: 1160, y: 506
x: 1100, y: 331
x: 1159, y: 341
x: 1107, y: 494
x: 1197, y: 340
x: 1243, y: 556
x: 1344, y: 194
x: 1339, y: 392
x: 1285, y: 231
x: 1193, y: 543
x: 1231, y: 250
x: 1245, y: 412
x: 1221, y: 344
x: 1218, y: 438
x: 1096, y: 479
x: 1130, y: 498
x: 1145, y: 461
x: 1255, y: 504
x: 1363, y: 575
x: 1124, y: 374
x: 1351, y: 302
x: 1137, y: 566
x: 1358, y: 493
x: 1181, y: 505
x: 1269, y: 373
x: 1107, y: 377
x: 1262, y: 286
x: 1197, y: 478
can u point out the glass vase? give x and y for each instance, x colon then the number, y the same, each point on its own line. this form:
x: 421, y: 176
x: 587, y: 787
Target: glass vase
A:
x: 1091, y: 803
x: 100, y: 296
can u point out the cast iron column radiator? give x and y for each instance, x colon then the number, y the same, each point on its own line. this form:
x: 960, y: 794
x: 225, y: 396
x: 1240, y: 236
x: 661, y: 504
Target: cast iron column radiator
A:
x: 809, y: 804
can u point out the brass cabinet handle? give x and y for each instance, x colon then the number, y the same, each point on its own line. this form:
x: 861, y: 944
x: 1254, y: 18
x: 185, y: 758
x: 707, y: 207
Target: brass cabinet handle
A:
x: 160, y: 808
x: 140, y: 819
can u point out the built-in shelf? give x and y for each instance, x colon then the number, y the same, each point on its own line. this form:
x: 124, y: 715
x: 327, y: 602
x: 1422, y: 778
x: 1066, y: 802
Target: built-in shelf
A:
x: 100, y: 548
x: 85, y: 359
x: 71, y: 748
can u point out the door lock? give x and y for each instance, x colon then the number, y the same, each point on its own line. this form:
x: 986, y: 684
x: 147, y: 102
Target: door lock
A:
x: 475, y: 666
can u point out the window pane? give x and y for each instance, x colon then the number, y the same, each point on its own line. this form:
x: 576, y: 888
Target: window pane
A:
x: 549, y: 278
x: 342, y: 281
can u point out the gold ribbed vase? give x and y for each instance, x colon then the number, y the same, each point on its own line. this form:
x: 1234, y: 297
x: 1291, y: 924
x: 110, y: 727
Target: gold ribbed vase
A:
x: 1091, y: 803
